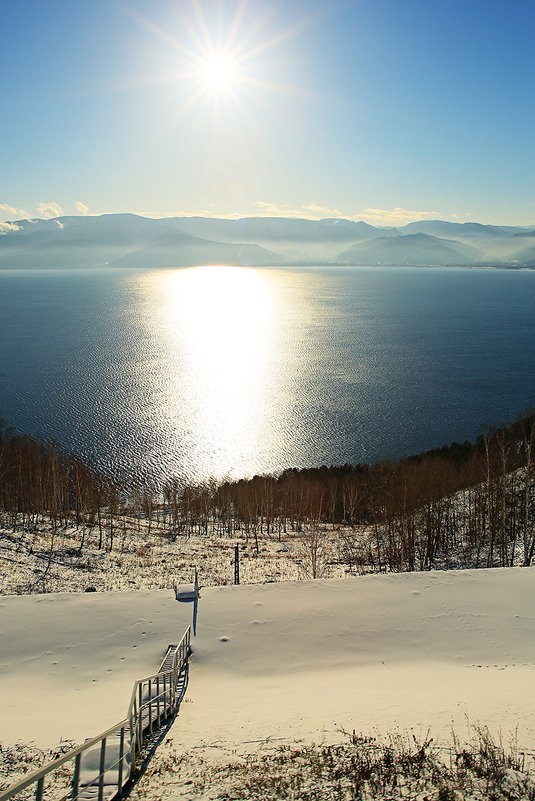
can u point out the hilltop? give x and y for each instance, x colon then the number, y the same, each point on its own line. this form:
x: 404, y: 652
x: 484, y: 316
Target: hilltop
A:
x: 129, y: 240
x: 297, y: 689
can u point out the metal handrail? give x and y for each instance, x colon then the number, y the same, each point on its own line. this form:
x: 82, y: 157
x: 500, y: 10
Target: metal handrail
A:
x: 132, y: 733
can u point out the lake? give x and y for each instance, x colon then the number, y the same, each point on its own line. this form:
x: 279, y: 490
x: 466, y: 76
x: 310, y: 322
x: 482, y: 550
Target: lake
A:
x: 228, y: 371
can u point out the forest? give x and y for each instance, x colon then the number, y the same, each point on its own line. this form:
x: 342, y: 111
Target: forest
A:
x: 463, y: 505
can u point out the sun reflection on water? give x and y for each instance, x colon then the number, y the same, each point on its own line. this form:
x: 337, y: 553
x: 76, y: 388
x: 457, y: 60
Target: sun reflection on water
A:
x: 217, y: 326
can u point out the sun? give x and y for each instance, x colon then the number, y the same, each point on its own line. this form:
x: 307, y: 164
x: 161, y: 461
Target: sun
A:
x: 218, y: 73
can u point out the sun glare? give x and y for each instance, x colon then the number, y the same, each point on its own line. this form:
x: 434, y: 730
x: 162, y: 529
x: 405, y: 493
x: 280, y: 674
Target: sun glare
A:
x: 218, y: 72
x: 218, y: 65
x: 218, y: 326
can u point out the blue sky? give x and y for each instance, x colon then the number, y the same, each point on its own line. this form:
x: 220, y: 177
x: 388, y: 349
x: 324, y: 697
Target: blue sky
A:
x: 379, y: 110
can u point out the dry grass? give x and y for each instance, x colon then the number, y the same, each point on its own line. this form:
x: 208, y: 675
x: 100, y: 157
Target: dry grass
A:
x: 358, y: 768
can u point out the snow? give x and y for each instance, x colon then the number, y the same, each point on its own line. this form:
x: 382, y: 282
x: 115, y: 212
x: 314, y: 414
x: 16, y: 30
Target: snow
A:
x: 139, y: 561
x: 304, y: 660
x: 289, y: 660
x: 68, y: 661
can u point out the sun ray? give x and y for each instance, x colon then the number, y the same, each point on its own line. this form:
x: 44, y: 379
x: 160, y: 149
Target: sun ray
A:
x: 217, y: 77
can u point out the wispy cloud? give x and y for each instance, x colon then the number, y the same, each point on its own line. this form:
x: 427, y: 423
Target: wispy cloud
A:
x: 12, y: 211
x: 396, y: 216
x: 6, y: 227
x: 307, y: 211
x: 48, y: 210
x: 322, y: 211
x: 81, y: 207
x: 5, y: 208
x: 209, y: 212
x: 316, y: 211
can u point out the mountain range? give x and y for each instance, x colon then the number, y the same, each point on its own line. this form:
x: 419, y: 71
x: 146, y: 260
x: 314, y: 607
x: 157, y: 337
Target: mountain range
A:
x: 129, y: 240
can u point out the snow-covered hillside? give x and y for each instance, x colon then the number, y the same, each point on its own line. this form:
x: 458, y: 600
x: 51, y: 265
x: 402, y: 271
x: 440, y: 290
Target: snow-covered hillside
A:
x: 40, y: 561
x: 290, y: 660
x: 376, y: 652
x: 279, y: 663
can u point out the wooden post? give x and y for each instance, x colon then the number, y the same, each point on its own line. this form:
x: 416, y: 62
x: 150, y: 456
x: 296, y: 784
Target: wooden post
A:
x: 140, y: 717
x: 237, y: 564
x: 133, y: 735
x: 150, y: 706
x: 76, y: 777
x: 102, y: 770
x: 121, y: 757
x: 39, y: 789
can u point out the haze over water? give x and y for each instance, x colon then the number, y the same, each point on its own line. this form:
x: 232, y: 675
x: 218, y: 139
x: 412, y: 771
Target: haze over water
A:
x: 226, y: 371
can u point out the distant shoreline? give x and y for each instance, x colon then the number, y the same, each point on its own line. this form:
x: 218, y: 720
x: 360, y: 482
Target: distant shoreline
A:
x: 282, y: 266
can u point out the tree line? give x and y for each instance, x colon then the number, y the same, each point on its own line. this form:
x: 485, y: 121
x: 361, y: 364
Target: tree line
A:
x: 466, y: 504
x: 38, y: 480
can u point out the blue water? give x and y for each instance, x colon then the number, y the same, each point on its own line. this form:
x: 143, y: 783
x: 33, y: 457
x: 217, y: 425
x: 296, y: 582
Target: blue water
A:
x: 234, y: 371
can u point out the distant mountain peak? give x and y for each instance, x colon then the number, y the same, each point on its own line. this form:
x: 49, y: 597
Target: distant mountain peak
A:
x: 128, y: 239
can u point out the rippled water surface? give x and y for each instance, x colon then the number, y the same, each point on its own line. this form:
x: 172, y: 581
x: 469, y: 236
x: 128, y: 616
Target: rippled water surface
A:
x: 223, y: 371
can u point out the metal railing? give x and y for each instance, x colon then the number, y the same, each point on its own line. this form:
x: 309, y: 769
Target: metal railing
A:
x: 101, y: 767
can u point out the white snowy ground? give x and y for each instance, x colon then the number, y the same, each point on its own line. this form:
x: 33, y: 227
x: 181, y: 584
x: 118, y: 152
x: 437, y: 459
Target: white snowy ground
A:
x: 142, y: 562
x: 68, y: 661
x: 286, y: 660
x: 302, y: 660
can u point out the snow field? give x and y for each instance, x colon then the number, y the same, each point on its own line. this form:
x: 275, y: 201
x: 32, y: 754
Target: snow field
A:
x: 408, y: 651
x: 286, y: 660
x: 68, y: 661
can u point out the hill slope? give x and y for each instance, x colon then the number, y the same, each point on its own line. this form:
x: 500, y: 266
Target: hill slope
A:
x: 129, y: 240
x: 181, y: 250
x: 120, y: 240
x: 411, y: 249
x: 284, y: 660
